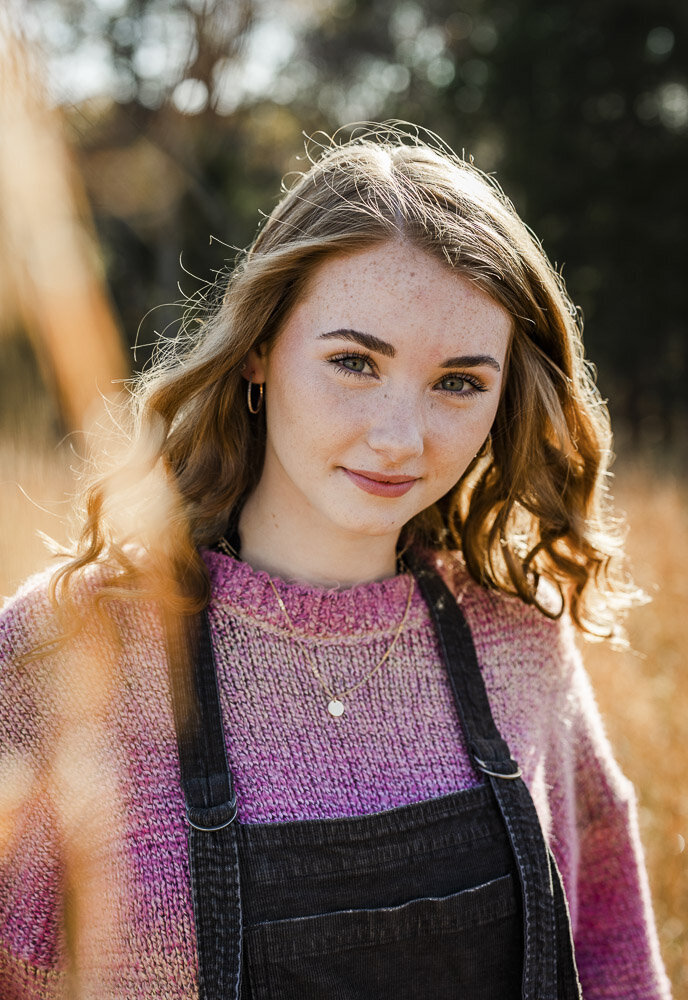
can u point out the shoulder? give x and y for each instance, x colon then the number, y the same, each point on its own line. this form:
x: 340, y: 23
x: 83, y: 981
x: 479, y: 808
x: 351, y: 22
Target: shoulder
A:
x: 30, y: 618
x: 490, y: 608
x: 27, y: 617
x: 535, y: 680
x: 46, y: 648
x: 28, y: 673
x: 514, y: 639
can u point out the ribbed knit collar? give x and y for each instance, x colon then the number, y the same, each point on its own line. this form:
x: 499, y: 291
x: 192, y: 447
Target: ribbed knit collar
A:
x: 318, y: 612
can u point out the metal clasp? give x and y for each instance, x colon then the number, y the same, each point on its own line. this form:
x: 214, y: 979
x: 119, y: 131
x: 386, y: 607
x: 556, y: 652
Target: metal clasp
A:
x: 220, y: 826
x: 495, y: 774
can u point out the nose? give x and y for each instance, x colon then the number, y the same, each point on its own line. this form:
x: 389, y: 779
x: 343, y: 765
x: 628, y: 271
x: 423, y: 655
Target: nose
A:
x: 396, y: 429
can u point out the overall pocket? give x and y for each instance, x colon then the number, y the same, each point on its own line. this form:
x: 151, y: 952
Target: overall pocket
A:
x: 467, y: 944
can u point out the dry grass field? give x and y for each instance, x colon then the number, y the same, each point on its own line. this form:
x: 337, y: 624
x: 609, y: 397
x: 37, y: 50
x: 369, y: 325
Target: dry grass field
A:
x: 643, y: 692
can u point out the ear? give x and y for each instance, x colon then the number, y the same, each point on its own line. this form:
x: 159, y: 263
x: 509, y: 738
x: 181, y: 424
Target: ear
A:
x: 254, y: 369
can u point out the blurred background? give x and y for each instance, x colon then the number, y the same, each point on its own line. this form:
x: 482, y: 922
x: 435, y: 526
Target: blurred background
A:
x: 140, y: 141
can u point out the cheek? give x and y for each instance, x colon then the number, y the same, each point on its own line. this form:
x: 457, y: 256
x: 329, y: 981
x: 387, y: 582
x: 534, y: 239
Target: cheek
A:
x: 309, y: 415
x: 456, y: 442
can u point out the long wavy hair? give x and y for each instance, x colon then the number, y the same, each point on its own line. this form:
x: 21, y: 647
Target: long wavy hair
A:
x: 531, y: 504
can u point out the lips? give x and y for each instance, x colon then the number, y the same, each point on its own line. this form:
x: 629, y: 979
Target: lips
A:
x: 381, y: 484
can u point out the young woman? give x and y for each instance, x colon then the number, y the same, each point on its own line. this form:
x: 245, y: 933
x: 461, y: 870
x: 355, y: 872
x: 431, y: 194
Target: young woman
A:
x: 312, y: 723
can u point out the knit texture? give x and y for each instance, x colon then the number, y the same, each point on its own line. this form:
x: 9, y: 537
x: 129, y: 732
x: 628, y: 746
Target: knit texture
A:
x: 93, y: 809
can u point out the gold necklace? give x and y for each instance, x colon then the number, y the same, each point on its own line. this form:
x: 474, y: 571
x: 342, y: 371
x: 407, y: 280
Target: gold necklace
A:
x: 335, y: 705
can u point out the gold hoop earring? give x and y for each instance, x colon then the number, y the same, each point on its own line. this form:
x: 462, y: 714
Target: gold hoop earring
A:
x: 249, y: 397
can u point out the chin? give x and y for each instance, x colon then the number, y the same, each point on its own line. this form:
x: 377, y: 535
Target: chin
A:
x: 374, y: 527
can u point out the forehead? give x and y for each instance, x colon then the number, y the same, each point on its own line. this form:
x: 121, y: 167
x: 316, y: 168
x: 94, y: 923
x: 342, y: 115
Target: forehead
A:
x: 394, y: 290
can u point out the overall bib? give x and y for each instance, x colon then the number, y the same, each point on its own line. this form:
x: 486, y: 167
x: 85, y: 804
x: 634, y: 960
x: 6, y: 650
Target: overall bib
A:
x: 456, y: 897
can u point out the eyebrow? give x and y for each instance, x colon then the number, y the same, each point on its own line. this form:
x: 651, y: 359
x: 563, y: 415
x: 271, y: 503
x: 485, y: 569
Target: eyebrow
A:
x: 472, y: 361
x: 366, y: 340
x: 372, y: 343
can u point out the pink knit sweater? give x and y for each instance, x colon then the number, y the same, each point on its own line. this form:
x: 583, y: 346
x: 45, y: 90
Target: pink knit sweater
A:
x: 92, y: 809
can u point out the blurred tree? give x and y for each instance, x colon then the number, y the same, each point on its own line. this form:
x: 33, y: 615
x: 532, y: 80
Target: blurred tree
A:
x: 146, y: 50
x: 581, y: 109
x: 168, y: 151
x: 51, y: 285
x: 592, y: 101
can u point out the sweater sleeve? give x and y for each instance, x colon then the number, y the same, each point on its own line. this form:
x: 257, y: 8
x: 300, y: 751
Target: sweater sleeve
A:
x: 94, y: 887
x: 617, y: 949
x: 32, y: 952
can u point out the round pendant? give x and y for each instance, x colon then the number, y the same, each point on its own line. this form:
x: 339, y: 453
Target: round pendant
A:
x: 335, y: 708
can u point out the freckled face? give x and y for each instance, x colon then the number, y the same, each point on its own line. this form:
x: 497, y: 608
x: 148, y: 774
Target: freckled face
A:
x: 379, y: 389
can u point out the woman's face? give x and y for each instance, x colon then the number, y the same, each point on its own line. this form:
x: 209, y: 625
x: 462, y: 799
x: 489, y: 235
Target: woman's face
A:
x: 379, y: 389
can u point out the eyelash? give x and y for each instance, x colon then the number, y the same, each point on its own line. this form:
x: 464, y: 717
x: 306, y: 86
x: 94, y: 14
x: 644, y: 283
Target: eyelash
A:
x: 477, y: 384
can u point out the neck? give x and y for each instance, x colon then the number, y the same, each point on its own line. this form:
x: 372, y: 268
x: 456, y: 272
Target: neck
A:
x: 291, y: 546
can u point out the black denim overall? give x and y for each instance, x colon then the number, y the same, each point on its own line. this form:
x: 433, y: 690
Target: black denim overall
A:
x: 456, y: 897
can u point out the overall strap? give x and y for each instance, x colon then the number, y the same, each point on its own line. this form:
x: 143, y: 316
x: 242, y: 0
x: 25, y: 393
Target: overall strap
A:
x: 211, y: 806
x: 549, y: 971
